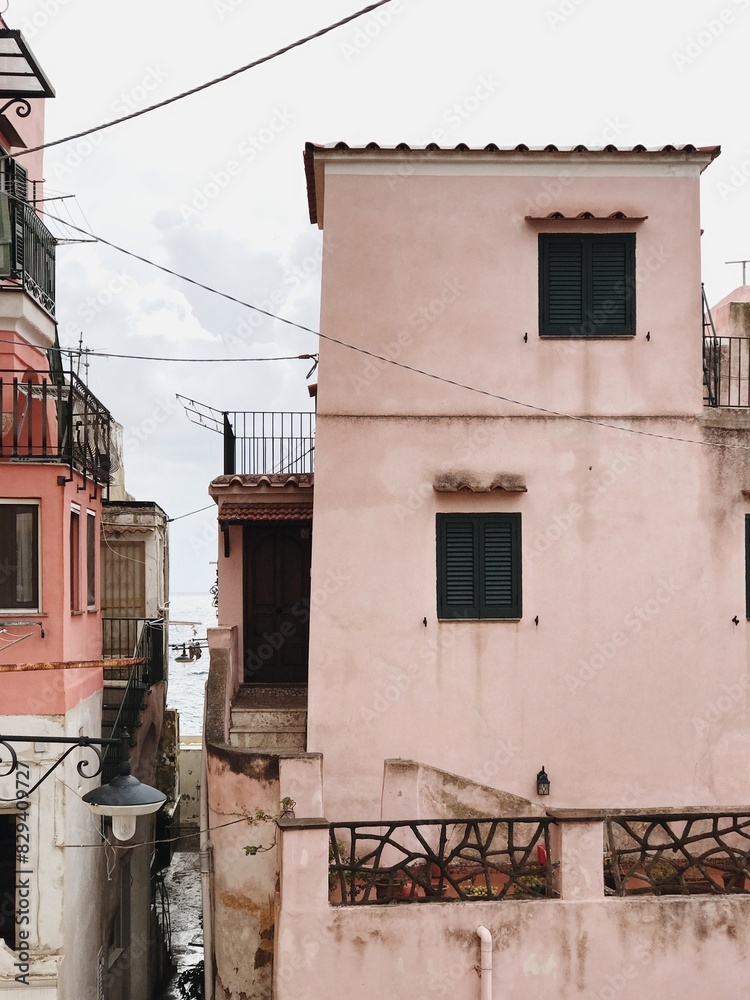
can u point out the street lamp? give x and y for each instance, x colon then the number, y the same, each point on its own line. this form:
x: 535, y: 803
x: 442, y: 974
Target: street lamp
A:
x: 124, y: 798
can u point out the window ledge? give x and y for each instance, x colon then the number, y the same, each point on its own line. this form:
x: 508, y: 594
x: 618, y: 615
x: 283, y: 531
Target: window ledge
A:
x: 451, y: 621
x: 76, y: 613
x: 25, y: 613
x: 581, y: 336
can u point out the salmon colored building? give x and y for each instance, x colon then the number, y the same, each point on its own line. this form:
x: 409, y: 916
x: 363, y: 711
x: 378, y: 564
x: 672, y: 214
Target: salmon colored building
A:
x: 72, y: 924
x: 502, y: 723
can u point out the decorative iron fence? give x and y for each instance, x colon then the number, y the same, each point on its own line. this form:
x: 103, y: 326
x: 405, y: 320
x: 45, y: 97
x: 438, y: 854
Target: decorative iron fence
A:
x: 33, y: 254
x: 677, y: 853
x: 431, y: 860
x: 265, y: 442
x: 147, y: 670
x: 726, y: 371
x: 49, y: 419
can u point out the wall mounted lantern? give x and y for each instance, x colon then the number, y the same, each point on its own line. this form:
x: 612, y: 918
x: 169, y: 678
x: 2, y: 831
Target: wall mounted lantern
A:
x: 124, y: 798
x: 542, y: 782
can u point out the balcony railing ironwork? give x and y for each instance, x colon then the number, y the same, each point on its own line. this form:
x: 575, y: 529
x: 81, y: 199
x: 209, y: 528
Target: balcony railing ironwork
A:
x: 267, y: 442
x: 147, y: 669
x: 677, y: 853
x: 27, y: 251
x: 726, y: 371
x: 44, y: 418
x: 431, y: 860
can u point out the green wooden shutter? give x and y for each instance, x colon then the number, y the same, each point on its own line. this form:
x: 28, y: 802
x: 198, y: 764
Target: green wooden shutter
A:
x: 457, y: 571
x: 20, y: 179
x: 479, y: 565
x: 586, y: 284
x: 611, y: 285
x: 500, y: 566
x: 564, y: 284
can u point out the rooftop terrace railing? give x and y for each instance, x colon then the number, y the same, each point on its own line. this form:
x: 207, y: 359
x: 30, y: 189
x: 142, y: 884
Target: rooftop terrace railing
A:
x: 45, y: 418
x: 726, y: 368
x: 266, y: 442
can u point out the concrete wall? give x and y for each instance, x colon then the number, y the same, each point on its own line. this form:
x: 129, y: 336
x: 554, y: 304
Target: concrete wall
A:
x: 65, y: 860
x: 581, y: 945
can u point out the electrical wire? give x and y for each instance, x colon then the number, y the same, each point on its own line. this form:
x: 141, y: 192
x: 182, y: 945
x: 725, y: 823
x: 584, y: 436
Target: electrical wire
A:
x: 203, y: 86
x: 420, y: 371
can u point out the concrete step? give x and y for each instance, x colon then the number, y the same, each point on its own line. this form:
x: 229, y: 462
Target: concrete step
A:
x: 268, y: 730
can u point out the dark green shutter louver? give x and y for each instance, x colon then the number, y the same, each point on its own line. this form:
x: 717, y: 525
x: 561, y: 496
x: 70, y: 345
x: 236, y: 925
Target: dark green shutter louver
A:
x: 587, y: 284
x: 479, y: 565
x: 20, y: 185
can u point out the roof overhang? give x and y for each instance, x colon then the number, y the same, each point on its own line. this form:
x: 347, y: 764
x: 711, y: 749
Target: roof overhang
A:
x: 387, y: 159
x: 20, y: 73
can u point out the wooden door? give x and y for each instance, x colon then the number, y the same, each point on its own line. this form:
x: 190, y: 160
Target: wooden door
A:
x: 277, y: 602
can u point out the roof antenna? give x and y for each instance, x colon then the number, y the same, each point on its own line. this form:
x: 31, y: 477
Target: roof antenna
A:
x: 744, y: 267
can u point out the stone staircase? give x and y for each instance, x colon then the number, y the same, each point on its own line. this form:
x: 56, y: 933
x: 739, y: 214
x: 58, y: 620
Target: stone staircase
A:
x: 270, y: 719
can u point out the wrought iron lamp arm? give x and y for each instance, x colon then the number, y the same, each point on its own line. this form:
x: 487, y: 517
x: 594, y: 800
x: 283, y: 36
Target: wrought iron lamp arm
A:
x: 72, y: 742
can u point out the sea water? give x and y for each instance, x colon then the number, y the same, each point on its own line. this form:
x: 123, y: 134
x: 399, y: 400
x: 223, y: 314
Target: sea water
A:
x: 187, y: 680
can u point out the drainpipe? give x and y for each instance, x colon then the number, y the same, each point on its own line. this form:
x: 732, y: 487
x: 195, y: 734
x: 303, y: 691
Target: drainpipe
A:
x: 205, y: 858
x: 485, y: 965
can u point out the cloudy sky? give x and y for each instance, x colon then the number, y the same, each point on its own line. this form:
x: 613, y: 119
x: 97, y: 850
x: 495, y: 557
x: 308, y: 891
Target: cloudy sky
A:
x: 213, y: 186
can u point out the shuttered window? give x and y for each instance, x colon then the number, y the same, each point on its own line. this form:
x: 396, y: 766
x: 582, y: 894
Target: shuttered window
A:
x: 19, y: 555
x: 479, y: 565
x: 587, y: 284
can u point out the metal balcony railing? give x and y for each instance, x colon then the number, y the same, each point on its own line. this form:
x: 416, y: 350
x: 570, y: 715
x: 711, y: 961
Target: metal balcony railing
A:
x: 44, y: 418
x: 726, y: 371
x: 27, y: 252
x: 265, y: 442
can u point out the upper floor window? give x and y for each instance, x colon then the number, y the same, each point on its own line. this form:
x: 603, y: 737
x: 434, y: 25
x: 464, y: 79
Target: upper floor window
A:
x: 19, y: 555
x: 479, y: 565
x: 587, y: 284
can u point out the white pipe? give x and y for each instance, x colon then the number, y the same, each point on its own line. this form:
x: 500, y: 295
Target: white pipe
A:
x: 205, y: 857
x: 485, y: 965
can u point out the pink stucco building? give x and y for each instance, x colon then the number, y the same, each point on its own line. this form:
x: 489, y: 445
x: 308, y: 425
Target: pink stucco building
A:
x: 526, y: 540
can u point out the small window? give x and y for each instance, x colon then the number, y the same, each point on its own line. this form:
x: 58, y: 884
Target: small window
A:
x: 479, y: 565
x: 75, y: 560
x: 91, y: 560
x: 8, y: 879
x: 19, y: 556
x: 587, y: 285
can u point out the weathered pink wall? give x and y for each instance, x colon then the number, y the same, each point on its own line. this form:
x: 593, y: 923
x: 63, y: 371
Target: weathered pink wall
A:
x: 632, y: 689
x: 584, y: 945
x: 67, y: 635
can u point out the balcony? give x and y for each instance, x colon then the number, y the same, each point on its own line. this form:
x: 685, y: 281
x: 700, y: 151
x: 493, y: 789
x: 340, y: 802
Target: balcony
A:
x: 726, y: 371
x: 262, y: 443
x: 27, y: 252
x: 46, y: 418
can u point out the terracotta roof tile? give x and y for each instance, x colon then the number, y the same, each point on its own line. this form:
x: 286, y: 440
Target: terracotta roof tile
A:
x: 236, y: 513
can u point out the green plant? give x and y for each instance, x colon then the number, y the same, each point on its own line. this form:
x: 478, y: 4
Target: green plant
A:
x: 481, y: 890
x: 530, y: 885
x: 286, y: 808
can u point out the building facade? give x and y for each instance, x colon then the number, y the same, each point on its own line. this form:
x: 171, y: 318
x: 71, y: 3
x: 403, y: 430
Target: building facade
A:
x: 527, y: 555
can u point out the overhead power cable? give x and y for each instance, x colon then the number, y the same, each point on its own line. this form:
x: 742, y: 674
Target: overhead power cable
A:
x: 594, y: 421
x: 203, y: 86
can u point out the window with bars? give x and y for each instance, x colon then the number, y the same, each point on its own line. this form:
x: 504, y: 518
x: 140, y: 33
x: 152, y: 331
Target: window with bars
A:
x: 479, y: 566
x: 587, y: 284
